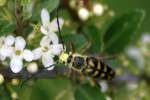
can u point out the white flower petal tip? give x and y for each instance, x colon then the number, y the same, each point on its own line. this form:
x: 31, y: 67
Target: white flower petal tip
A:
x: 9, y: 40
x: 54, y: 25
x: 45, y: 41
x: 43, y: 30
x: 6, y: 51
x: 28, y: 55
x: 47, y: 60
x: 61, y: 22
x: 20, y: 43
x: 57, y: 49
x: 54, y: 38
x: 37, y: 53
x: 50, y: 68
x: 2, y: 58
x: 16, y: 65
x: 45, y: 17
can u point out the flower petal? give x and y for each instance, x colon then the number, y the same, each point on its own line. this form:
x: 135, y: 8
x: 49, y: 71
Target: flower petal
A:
x: 9, y: 40
x: 43, y: 30
x: 20, y: 43
x: 56, y: 49
x: 45, y: 41
x: 47, y: 61
x: 45, y: 17
x: 6, y: 51
x: 2, y: 58
x: 54, y: 26
x: 16, y: 65
x: 28, y: 55
x: 37, y: 53
x: 54, y: 38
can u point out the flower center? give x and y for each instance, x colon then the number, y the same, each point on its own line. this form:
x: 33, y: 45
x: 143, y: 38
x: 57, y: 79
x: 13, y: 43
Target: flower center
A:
x: 45, y: 49
x: 18, y: 52
x: 47, y: 29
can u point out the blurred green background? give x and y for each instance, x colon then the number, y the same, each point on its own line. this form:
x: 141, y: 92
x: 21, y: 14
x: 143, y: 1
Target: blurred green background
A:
x: 118, y: 33
x: 122, y: 6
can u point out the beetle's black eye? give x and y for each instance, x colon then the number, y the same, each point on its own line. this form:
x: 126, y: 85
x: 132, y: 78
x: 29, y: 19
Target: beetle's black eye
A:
x: 78, y: 62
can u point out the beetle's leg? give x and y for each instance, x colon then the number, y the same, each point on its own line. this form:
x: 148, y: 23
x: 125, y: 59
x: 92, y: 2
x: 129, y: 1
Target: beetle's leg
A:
x: 85, y: 47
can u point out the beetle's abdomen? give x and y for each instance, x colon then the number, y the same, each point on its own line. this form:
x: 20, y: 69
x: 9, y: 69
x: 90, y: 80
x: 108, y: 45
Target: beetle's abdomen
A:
x: 91, y: 66
x: 97, y: 69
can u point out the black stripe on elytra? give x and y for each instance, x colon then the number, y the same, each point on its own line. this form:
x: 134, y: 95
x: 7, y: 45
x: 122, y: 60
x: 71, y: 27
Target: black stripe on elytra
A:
x: 110, y: 71
x: 85, y: 72
x: 102, y: 65
x: 106, y: 76
x: 99, y: 74
x: 101, y: 70
x: 87, y: 61
x: 95, y: 61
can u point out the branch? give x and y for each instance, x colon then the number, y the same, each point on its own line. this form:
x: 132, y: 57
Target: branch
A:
x: 61, y: 71
x: 18, y: 16
x: 8, y: 74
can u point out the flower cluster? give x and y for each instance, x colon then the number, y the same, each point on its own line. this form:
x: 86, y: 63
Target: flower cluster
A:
x: 14, y: 47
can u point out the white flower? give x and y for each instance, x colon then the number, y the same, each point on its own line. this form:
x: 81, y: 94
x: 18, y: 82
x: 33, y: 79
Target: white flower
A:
x: 49, y: 28
x: 1, y: 44
x: 6, y: 46
x: 136, y: 55
x: 145, y: 38
x: 104, y: 86
x: 20, y: 53
x: 47, y: 52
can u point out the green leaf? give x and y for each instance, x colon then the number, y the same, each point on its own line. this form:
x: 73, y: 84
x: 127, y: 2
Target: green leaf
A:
x: 48, y: 89
x: 6, y: 27
x: 78, y: 41
x: 94, y: 35
x: 122, y: 31
x: 50, y: 5
x: 86, y: 92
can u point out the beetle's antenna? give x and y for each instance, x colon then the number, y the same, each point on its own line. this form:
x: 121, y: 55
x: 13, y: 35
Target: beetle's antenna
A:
x: 34, y: 75
x: 60, y: 35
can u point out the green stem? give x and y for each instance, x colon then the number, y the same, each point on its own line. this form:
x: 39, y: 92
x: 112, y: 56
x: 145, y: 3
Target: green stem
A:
x: 18, y: 15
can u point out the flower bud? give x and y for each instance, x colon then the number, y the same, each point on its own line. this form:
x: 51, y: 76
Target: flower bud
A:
x: 14, y: 96
x: 15, y: 82
x: 1, y: 79
x: 98, y: 9
x: 32, y: 67
x: 83, y: 14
